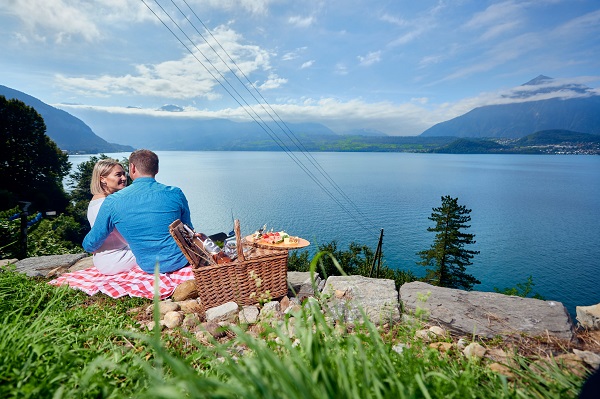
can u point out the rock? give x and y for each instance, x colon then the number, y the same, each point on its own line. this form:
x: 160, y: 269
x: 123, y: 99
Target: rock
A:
x: 270, y: 310
x: 443, y: 347
x: 474, y: 350
x: 438, y: 331
x: 461, y: 344
x: 190, y: 322
x: 339, y: 294
x: 293, y: 309
x: 300, y: 285
x: 590, y: 358
x: 214, y: 329
x: 424, y: 335
x: 588, y: 316
x: 378, y: 299
x: 82, y: 264
x: 149, y: 325
x: 173, y: 319
x: 225, y: 312
x: 249, y: 314
x: 191, y: 306
x: 185, y: 291
x: 284, y: 303
x: 41, y: 266
x: 487, y: 314
x: 4, y: 262
x: 164, y: 307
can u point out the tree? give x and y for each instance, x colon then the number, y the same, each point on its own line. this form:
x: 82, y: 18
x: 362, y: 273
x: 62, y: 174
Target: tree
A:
x: 448, y: 255
x: 32, y: 166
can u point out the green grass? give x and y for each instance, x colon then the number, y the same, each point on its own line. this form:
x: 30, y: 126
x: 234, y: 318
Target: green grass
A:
x: 60, y: 343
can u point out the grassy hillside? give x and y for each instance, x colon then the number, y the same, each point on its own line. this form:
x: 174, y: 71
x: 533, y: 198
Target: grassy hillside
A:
x: 60, y: 343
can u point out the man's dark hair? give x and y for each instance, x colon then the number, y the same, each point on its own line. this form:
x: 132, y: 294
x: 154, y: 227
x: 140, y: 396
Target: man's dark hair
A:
x: 146, y: 161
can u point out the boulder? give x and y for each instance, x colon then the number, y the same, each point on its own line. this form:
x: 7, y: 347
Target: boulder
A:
x: 185, y: 290
x: 225, y: 312
x: 49, y: 265
x: 588, y: 316
x: 487, y: 314
x: 378, y: 299
x: 300, y: 285
x: 249, y: 314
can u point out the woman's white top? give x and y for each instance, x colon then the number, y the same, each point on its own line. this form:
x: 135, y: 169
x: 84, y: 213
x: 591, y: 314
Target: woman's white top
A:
x: 114, y: 256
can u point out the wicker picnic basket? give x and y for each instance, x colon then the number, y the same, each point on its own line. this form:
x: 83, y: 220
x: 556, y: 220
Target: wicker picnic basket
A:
x: 256, y: 273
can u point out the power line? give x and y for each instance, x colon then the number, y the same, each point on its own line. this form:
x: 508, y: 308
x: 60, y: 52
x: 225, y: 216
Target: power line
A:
x: 256, y: 117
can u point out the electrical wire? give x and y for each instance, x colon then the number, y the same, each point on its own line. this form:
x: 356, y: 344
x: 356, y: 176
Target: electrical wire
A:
x: 240, y: 100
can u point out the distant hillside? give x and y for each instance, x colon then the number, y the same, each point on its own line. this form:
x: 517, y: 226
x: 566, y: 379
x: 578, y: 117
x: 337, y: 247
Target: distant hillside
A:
x: 471, y: 146
x: 68, y: 132
x: 520, y: 119
x: 544, y: 142
x: 172, y: 131
x: 557, y: 136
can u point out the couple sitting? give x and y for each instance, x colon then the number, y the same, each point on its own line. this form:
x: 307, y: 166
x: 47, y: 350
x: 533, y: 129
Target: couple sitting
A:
x: 130, y: 225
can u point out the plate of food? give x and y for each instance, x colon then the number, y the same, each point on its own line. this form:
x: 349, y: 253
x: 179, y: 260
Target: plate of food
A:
x: 276, y: 239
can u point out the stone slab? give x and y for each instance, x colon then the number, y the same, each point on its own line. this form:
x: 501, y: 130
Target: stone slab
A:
x: 41, y: 266
x: 349, y: 295
x: 487, y: 314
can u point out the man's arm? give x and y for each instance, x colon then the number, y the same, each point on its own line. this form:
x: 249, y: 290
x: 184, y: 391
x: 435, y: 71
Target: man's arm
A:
x: 102, y: 227
x: 185, y: 211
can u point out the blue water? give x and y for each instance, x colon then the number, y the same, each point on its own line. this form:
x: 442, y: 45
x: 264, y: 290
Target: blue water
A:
x: 531, y: 215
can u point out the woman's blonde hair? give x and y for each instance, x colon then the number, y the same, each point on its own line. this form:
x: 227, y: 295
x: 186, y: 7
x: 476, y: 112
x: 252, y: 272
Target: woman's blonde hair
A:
x: 101, y: 169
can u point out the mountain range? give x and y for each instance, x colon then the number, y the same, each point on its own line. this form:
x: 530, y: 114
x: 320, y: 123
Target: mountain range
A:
x: 68, y: 132
x: 192, y: 134
x: 519, y: 119
x: 136, y: 129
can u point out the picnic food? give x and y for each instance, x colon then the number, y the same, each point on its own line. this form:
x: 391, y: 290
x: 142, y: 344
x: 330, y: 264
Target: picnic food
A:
x: 277, y: 237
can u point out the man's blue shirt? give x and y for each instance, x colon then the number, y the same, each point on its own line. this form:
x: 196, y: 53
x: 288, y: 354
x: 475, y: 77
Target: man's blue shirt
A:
x: 142, y: 212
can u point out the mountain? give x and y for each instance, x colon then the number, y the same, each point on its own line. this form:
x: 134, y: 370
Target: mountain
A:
x: 171, y: 131
x: 545, y: 142
x: 555, y: 137
x: 518, y: 119
x: 470, y: 146
x: 68, y: 132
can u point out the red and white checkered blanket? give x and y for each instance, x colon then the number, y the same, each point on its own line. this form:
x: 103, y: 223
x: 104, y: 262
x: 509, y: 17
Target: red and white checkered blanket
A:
x: 135, y: 282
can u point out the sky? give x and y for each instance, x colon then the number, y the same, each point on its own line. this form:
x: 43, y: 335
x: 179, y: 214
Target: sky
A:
x: 394, y: 66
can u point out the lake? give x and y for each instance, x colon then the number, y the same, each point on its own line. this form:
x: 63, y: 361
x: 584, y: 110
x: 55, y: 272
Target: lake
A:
x: 535, y: 215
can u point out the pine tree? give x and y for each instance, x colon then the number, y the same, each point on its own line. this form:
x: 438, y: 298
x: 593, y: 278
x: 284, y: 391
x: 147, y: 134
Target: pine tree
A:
x: 448, y: 256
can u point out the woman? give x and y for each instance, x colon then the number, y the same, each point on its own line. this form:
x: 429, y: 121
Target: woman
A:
x: 114, y: 256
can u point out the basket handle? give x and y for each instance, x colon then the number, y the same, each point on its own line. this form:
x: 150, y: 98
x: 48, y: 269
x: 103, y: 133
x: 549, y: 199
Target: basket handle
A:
x: 238, y: 240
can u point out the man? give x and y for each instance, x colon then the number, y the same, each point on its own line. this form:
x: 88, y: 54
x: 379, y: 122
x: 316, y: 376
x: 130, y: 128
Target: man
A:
x: 142, y: 212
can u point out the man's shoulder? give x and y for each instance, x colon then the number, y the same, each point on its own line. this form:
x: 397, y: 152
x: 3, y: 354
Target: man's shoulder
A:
x: 165, y: 187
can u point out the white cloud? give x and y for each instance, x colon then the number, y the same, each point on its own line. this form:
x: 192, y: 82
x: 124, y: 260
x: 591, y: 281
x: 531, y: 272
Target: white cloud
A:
x: 273, y: 82
x: 301, y: 22
x: 498, y: 13
x: 61, y: 20
x: 307, y: 64
x: 340, y: 69
x: 582, y: 25
x: 292, y: 55
x: 370, y: 59
x: 410, y: 118
x: 188, y: 77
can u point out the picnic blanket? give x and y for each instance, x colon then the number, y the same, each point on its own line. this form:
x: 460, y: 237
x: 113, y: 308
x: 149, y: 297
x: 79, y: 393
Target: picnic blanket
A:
x: 135, y: 282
